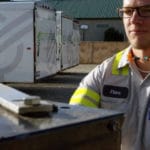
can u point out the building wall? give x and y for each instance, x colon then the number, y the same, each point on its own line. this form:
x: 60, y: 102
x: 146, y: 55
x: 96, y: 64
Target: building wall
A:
x: 96, y: 52
x: 96, y: 28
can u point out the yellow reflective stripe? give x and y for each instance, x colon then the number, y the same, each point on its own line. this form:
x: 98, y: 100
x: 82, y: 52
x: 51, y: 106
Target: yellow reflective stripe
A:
x: 84, y: 102
x: 115, y: 63
x: 87, y: 92
x: 85, y: 97
x: 125, y: 70
x: 115, y: 70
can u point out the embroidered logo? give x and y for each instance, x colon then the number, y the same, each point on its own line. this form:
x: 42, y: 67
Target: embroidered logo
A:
x: 115, y: 91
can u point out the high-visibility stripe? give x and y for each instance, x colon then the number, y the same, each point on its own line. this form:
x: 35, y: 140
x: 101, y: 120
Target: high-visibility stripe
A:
x: 83, y: 99
x: 86, y: 97
x: 125, y: 71
x: 115, y: 70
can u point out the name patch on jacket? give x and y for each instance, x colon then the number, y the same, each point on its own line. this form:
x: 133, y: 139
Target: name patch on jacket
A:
x: 115, y: 91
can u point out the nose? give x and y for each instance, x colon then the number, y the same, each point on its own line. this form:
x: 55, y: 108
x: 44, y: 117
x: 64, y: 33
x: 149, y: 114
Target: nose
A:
x: 135, y: 18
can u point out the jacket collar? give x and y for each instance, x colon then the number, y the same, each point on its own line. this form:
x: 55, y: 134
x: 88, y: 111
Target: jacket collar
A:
x: 124, y: 59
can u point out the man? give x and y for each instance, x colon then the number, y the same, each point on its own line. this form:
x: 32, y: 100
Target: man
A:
x: 122, y: 82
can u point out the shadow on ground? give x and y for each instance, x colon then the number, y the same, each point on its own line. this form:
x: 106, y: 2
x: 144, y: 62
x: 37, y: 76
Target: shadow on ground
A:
x: 56, y: 88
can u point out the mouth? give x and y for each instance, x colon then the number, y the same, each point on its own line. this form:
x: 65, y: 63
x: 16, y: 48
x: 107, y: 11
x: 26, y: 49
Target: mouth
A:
x: 137, y: 31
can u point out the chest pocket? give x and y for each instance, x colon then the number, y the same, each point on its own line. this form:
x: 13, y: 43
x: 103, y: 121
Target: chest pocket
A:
x: 114, y: 97
x: 115, y: 91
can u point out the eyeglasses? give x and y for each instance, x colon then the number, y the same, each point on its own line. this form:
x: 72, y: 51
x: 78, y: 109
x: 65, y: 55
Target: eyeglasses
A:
x: 127, y: 12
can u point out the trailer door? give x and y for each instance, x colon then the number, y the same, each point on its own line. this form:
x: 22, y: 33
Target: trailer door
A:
x: 46, y: 47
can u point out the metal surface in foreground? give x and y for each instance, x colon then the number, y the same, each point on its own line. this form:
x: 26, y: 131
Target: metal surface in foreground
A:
x: 71, y: 127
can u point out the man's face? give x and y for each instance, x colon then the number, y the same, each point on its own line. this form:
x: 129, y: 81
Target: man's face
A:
x: 137, y: 28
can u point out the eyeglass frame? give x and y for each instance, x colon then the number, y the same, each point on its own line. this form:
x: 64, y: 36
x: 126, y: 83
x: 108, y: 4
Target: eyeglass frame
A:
x: 138, y: 10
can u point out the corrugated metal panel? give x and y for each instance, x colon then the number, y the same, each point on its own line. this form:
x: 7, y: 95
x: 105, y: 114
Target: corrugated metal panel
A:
x: 88, y: 8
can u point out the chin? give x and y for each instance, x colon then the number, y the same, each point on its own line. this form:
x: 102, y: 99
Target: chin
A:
x: 140, y: 44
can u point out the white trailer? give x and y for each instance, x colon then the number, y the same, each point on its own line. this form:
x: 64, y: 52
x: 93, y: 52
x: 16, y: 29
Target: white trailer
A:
x: 48, y: 57
x: 70, y: 39
x: 30, y: 42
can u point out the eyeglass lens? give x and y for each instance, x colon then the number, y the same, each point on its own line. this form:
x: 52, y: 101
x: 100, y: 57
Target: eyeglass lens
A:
x: 127, y: 12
